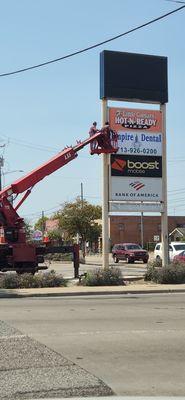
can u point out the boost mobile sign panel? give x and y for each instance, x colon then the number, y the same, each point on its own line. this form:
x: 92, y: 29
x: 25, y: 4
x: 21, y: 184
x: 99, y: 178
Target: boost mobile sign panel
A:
x: 139, y: 131
x: 143, y: 166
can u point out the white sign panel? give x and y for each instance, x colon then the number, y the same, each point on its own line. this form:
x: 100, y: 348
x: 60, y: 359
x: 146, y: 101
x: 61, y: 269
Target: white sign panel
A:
x: 135, y: 189
x: 134, y: 207
x: 156, y: 238
x: 139, y: 143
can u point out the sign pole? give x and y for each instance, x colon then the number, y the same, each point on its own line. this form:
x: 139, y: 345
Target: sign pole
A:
x: 142, y: 232
x: 105, y: 197
x: 164, y: 214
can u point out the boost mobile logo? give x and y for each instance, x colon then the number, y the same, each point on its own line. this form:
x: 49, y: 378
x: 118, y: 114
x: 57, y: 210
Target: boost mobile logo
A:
x: 142, y: 165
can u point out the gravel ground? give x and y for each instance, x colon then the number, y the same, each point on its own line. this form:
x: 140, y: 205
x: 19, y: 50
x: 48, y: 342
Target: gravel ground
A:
x: 29, y: 369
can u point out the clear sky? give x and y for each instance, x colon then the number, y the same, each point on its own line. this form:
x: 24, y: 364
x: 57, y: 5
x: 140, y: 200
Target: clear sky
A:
x: 45, y: 109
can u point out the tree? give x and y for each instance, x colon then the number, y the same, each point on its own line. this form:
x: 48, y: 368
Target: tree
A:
x: 56, y: 234
x: 28, y: 230
x: 80, y: 218
x: 40, y: 224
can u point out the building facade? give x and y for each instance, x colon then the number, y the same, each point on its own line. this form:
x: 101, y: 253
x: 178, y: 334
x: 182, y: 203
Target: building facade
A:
x: 128, y: 228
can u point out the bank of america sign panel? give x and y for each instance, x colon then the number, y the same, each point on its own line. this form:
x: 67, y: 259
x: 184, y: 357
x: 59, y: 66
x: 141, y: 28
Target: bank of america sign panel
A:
x: 136, y: 189
x: 139, y: 131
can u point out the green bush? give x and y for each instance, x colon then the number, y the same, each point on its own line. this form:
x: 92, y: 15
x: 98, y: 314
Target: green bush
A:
x: 174, y: 273
x: 150, y: 273
x: 47, y: 279
x: 59, y: 257
x: 110, y: 276
x: 152, y: 270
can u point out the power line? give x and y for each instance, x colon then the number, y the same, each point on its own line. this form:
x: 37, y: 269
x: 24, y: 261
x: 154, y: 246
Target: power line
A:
x: 176, y: 190
x: 93, y: 46
x: 176, y: 1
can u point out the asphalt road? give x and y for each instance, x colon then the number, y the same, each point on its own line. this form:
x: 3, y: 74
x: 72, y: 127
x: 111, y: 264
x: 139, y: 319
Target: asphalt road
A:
x: 67, y: 270
x: 135, y: 344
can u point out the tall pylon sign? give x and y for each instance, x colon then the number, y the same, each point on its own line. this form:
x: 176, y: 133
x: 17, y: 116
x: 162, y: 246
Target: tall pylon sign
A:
x: 135, y: 178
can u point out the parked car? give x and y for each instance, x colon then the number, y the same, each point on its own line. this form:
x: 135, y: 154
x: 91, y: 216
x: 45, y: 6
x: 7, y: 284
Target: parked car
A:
x: 175, y: 248
x: 129, y: 252
x: 180, y: 257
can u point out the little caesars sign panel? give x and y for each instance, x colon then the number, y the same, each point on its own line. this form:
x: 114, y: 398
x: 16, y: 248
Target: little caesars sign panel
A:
x: 136, y: 169
x: 139, y: 131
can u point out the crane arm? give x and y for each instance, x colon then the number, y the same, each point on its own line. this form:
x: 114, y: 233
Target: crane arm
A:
x: 56, y: 162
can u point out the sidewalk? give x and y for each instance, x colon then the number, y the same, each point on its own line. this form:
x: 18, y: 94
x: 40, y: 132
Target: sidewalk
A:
x: 92, y: 290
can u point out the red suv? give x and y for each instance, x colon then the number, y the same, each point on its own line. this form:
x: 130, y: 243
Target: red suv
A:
x: 129, y: 252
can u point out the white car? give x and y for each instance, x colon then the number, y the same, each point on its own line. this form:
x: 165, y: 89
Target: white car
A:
x: 174, y: 249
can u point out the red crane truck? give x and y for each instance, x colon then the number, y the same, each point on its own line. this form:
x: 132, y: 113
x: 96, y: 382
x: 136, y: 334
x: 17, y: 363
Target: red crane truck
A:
x: 16, y: 254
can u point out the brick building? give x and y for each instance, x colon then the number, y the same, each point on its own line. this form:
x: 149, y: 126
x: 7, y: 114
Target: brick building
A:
x: 128, y: 228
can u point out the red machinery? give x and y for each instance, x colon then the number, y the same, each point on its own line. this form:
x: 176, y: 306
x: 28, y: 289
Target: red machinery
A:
x: 110, y: 142
x: 16, y: 253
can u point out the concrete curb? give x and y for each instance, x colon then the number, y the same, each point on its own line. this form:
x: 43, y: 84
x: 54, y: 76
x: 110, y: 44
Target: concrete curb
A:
x: 14, y: 293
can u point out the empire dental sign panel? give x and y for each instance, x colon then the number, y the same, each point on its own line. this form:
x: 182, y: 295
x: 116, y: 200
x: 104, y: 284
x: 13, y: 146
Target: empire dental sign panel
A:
x: 139, y: 143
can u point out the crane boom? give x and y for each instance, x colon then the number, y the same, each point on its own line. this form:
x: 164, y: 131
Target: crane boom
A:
x: 56, y: 162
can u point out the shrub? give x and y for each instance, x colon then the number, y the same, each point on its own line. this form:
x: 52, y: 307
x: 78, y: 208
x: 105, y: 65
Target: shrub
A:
x: 9, y: 281
x: 152, y: 270
x: 103, y: 277
x: 47, y: 279
x: 174, y: 273
x: 59, y: 257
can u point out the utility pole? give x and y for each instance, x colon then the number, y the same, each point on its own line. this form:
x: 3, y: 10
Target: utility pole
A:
x: 1, y: 165
x: 82, y: 195
x: 43, y: 223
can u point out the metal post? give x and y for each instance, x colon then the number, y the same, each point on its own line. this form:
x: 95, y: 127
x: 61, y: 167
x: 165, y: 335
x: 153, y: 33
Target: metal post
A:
x: 142, y: 240
x: 164, y: 214
x: 105, y: 197
x: 0, y: 178
x: 76, y: 260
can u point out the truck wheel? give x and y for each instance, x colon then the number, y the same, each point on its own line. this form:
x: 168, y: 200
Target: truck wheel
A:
x: 128, y: 260
x: 26, y: 270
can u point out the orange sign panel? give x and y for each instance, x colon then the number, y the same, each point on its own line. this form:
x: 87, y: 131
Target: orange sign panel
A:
x: 130, y: 119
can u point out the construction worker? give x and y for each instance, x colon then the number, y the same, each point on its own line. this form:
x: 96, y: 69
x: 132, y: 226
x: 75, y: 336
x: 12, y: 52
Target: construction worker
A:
x: 111, y: 135
x: 107, y: 131
x: 92, y: 131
